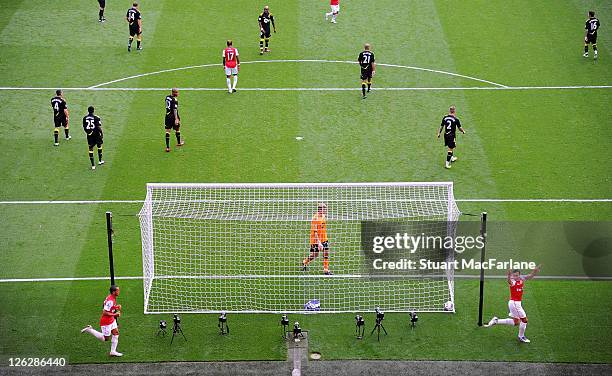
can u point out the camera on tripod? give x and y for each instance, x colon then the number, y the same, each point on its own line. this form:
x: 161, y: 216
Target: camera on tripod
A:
x: 380, y: 315
x: 162, y: 328
x: 297, y: 332
x: 284, y: 323
x: 223, y: 327
x: 176, y: 327
x: 413, y: 319
x: 359, y: 326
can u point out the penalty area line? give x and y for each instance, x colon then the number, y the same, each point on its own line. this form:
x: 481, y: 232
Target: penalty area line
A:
x: 457, y: 276
x: 95, y: 202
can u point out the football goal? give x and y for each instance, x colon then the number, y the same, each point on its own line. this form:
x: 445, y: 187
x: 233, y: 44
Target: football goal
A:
x: 249, y: 247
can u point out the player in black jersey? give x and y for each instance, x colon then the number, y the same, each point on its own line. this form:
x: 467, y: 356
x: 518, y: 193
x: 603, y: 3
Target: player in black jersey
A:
x: 102, y: 4
x: 61, y: 116
x: 265, y: 19
x: 134, y: 19
x: 368, y: 68
x: 450, y: 123
x: 92, y: 125
x: 173, y: 119
x: 591, y: 25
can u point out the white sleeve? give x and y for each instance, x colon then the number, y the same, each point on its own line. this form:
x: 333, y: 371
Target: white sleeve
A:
x: 223, y: 53
x: 237, y: 54
x: 108, y: 305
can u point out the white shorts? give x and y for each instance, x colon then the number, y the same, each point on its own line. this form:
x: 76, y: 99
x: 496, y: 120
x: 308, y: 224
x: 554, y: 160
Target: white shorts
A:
x: 106, y: 329
x: 335, y: 8
x: 516, y: 309
x: 230, y: 71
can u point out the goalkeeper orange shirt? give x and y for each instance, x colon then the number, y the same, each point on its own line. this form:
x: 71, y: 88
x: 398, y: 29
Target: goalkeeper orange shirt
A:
x: 318, y: 228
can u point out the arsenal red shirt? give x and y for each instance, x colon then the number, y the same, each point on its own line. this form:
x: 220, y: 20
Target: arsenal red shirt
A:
x: 110, y: 304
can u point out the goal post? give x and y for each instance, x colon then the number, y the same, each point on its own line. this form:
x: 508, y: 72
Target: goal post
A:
x: 241, y: 247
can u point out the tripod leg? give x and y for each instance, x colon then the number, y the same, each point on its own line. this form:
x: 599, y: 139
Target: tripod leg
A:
x: 383, y: 328
x: 373, y: 329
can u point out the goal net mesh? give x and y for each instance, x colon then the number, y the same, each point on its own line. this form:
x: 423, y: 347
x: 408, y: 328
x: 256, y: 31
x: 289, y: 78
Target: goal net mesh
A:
x: 240, y: 247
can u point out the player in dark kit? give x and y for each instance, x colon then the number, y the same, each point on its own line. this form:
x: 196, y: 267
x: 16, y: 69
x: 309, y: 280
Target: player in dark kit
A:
x: 92, y: 125
x: 265, y: 19
x: 368, y: 68
x: 61, y: 117
x: 450, y: 123
x: 173, y: 119
x: 134, y: 19
x: 591, y: 26
x: 102, y: 4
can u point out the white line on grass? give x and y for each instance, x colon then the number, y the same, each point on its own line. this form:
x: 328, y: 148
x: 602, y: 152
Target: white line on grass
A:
x: 298, y: 61
x: 95, y: 202
x: 336, y: 276
x: 331, y: 89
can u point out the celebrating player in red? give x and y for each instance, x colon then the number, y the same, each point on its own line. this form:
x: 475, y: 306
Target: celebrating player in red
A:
x: 108, y: 322
x: 517, y: 313
x: 335, y: 9
x: 231, y: 64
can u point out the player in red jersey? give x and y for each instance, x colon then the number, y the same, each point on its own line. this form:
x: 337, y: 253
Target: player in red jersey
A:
x: 108, y: 322
x: 518, y: 316
x: 231, y: 64
x: 335, y: 9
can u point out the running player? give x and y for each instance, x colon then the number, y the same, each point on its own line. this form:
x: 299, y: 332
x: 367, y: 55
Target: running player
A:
x: 108, y: 323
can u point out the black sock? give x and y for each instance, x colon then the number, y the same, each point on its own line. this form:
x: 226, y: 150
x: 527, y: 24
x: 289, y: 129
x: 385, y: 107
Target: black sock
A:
x: 100, y: 14
x: 99, y: 154
x: 167, y: 140
x: 56, y: 136
x: 369, y: 86
x: 66, y: 132
x: 178, y: 137
x: 267, y: 41
x: 261, y: 43
x: 586, y: 49
x: 595, y: 47
x: 137, y: 44
x: 449, y: 155
x: 363, y: 89
x: 91, y: 158
x: 130, y: 42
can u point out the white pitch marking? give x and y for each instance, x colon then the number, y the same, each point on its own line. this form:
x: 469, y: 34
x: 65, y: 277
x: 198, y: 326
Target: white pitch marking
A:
x: 487, y: 88
x: 349, y: 276
x: 299, y: 138
x: 95, y: 202
x: 297, y: 61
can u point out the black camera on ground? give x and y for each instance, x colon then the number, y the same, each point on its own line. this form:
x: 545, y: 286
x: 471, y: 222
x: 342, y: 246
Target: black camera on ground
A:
x: 413, y: 319
x: 176, y: 319
x: 223, y: 317
x: 297, y: 331
x: 284, y: 321
x: 380, y: 315
x: 359, y: 321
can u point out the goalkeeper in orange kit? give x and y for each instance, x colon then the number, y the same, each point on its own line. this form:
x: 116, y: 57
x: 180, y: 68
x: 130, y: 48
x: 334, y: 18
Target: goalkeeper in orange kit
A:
x: 318, y: 238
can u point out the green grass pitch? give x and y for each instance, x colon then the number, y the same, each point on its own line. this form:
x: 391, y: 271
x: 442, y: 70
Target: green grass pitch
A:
x: 544, y: 143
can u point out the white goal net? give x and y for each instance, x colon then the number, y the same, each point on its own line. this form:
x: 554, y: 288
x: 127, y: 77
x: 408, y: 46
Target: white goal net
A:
x: 242, y: 247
